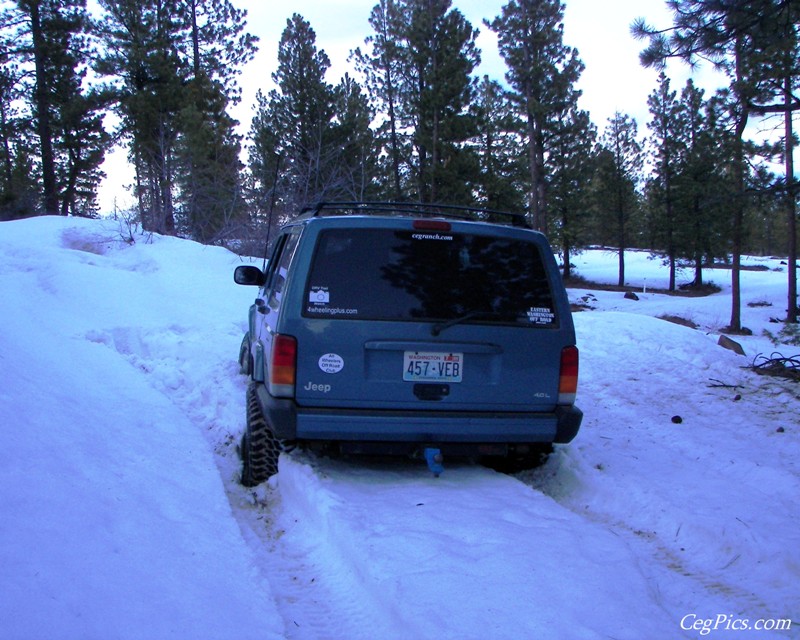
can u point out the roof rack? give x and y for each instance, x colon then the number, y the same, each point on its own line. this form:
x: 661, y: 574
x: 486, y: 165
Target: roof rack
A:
x: 416, y: 208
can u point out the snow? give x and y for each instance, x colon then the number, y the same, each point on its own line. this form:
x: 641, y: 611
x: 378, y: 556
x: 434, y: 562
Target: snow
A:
x: 121, y: 408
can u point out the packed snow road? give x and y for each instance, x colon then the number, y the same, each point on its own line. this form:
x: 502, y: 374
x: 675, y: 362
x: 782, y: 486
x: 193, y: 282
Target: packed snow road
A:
x: 123, y: 517
x: 470, y: 554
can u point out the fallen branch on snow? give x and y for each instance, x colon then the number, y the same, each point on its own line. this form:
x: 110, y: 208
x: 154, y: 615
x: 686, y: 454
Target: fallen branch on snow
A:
x: 777, y: 365
x: 718, y: 384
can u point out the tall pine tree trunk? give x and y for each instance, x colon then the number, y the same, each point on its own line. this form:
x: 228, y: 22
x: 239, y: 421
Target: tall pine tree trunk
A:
x: 671, y: 250
x: 698, y: 249
x: 621, y: 241
x: 739, y: 170
x: 566, y: 245
x: 394, y: 143
x: 43, y: 127
x: 791, y: 213
x: 536, y: 201
x: 620, y: 225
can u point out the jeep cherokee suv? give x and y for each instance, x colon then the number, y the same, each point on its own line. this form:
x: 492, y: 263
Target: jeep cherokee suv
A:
x: 403, y: 329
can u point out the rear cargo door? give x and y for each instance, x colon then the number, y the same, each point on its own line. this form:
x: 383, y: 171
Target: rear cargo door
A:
x: 442, y: 319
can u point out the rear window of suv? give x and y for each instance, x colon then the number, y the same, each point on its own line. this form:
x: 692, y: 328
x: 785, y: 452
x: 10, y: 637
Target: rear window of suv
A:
x: 387, y: 274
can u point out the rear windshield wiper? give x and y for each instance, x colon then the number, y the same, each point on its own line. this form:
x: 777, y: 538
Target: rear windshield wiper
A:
x: 438, y: 328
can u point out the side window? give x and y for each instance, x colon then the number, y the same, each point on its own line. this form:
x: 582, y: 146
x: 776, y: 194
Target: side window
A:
x: 277, y: 248
x: 280, y: 268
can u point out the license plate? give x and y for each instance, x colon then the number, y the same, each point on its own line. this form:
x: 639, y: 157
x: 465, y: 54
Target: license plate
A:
x: 432, y: 366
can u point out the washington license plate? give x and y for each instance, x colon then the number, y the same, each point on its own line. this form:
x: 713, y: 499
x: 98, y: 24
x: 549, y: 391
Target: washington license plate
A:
x: 432, y: 366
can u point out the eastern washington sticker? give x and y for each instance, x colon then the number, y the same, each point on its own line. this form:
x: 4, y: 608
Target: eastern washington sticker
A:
x: 540, y: 315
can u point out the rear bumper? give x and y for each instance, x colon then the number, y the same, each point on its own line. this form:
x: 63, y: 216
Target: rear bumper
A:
x: 291, y: 422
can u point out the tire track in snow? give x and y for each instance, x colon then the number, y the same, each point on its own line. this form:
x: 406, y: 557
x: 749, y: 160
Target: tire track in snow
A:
x: 694, y: 570
x: 650, y: 547
x: 318, y: 597
x: 471, y: 554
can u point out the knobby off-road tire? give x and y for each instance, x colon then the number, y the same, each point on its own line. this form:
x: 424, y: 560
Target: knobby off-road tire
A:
x: 244, y: 356
x: 260, y: 448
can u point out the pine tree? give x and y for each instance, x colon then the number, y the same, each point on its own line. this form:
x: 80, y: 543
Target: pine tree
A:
x: 311, y: 141
x: 419, y: 70
x: 300, y: 112
x: 215, y: 42
x: 498, y: 140
x: 778, y: 61
x: 207, y: 164
x: 731, y: 35
x: 142, y: 60
x: 570, y: 151
x: 263, y: 160
x: 173, y: 64
x: 542, y: 72
x: 381, y: 67
x: 35, y: 14
x: 81, y: 141
x: 355, y: 169
x: 18, y: 185
x: 208, y: 148
x: 48, y: 54
x: 619, y: 164
x: 703, y: 182
x: 438, y: 89
x: 668, y: 143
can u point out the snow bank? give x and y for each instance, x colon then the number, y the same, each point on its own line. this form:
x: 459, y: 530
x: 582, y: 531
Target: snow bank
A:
x: 115, y: 519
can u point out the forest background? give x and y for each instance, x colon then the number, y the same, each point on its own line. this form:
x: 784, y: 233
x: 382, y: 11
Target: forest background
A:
x: 412, y: 122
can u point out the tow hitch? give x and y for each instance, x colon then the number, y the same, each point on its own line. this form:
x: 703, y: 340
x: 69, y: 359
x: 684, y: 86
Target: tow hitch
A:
x: 434, y: 459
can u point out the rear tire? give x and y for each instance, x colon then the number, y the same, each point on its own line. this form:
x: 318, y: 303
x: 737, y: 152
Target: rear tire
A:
x: 244, y: 356
x: 260, y: 449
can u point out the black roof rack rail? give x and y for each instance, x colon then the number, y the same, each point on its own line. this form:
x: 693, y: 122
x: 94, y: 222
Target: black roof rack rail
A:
x: 414, y: 208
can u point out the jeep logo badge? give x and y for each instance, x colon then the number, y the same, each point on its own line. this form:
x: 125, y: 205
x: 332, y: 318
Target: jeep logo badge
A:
x: 311, y: 386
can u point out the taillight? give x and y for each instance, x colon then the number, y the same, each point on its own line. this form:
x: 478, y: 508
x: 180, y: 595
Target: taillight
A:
x: 568, y: 379
x: 283, y: 366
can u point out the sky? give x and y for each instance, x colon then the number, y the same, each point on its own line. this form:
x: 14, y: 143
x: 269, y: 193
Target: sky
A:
x: 613, y: 79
